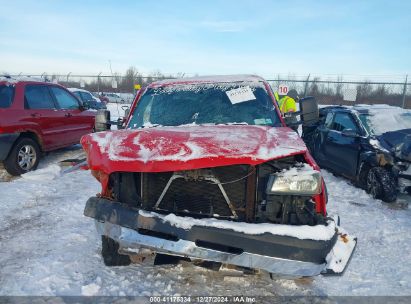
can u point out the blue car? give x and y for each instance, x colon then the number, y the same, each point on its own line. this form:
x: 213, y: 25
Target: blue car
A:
x: 87, y: 98
x: 370, y: 145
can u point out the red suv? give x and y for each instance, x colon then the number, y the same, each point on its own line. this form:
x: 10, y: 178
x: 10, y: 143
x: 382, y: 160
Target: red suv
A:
x: 37, y: 117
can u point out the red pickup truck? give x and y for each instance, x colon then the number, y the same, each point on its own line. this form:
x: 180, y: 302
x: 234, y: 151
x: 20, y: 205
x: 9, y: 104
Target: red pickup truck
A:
x: 37, y: 117
x: 207, y: 169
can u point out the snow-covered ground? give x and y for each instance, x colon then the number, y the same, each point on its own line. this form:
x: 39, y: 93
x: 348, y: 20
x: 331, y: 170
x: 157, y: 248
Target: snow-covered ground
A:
x: 47, y: 246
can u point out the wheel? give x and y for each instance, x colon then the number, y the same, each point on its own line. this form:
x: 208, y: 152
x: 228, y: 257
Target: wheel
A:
x: 381, y: 184
x: 363, y: 176
x: 110, y: 254
x: 23, y: 157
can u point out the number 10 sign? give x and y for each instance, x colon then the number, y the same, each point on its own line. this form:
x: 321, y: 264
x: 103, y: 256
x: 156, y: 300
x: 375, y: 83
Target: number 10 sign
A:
x: 282, y: 89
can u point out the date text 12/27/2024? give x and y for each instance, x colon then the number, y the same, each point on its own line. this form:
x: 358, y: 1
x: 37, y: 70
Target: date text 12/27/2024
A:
x: 202, y: 299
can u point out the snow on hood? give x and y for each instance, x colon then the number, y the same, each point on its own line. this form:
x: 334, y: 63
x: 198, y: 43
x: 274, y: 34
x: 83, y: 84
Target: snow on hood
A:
x: 385, y: 118
x: 188, y: 147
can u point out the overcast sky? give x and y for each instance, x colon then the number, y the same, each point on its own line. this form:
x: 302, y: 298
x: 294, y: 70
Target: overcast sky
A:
x: 206, y: 37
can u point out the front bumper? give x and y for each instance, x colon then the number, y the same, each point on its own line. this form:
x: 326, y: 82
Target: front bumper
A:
x: 6, y: 143
x: 284, y: 255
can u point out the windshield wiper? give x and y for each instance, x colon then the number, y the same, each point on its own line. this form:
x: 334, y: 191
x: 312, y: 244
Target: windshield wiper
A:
x: 150, y: 125
x: 234, y: 123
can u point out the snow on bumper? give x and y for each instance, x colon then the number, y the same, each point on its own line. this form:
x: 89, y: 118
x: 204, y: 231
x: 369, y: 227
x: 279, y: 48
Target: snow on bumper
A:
x: 286, y: 255
x: 340, y: 255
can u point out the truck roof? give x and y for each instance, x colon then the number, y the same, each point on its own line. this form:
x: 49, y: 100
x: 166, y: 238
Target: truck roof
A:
x: 16, y: 79
x: 362, y: 110
x: 208, y: 79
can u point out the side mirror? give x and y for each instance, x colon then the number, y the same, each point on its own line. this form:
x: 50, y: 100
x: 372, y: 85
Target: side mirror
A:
x: 349, y: 133
x: 85, y: 106
x: 120, y: 123
x: 102, y: 122
x: 291, y: 120
x: 126, y: 110
x: 309, y: 111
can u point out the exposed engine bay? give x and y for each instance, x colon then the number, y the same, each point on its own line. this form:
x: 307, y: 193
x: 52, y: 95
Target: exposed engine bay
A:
x: 237, y: 192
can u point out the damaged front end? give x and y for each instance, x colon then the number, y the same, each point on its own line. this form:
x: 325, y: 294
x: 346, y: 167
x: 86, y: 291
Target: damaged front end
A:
x: 395, y: 151
x: 269, y: 216
x: 402, y: 154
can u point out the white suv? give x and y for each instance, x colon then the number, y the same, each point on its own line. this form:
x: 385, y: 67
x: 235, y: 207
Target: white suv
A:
x: 113, y: 97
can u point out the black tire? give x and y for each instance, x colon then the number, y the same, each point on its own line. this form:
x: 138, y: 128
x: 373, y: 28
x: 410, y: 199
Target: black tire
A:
x: 23, y: 157
x: 381, y: 184
x: 110, y: 254
x: 363, y: 176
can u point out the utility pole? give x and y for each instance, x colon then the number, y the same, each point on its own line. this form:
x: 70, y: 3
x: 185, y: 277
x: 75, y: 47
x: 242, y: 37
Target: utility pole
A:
x: 98, y: 83
x: 404, y: 93
x: 109, y: 62
x: 68, y: 75
x: 306, y: 85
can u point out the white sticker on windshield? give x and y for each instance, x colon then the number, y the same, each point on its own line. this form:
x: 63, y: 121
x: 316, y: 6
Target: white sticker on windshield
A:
x: 263, y: 121
x: 240, y: 95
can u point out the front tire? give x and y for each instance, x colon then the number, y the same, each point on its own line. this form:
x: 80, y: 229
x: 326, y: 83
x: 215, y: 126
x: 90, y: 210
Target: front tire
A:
x: 23, y: 157
x: 110, y: 254
x: 381, y: 184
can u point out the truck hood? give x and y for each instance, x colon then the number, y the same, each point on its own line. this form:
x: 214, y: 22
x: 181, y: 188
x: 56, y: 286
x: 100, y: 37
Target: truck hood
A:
x: 188, y: 147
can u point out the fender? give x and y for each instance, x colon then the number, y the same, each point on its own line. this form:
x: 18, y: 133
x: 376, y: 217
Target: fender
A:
x: 37, y: 134
x: 373, y: 159
x: 7, y: 141
x: 367, y: 157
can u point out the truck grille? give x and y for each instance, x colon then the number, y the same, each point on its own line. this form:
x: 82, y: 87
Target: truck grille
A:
x: 197, y: 196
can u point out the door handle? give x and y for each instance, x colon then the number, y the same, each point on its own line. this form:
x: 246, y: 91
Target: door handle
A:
x: 35, y: 115
x: 67, y: 115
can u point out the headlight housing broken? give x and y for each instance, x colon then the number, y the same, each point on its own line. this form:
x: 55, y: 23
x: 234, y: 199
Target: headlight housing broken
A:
x: 301, y: 183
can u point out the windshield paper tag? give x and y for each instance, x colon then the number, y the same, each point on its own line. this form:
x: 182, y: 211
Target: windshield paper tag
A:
x: 263, y: 121
x: 240, y: 95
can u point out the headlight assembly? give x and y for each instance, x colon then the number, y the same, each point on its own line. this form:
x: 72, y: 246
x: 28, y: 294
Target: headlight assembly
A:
x: 298, y: 183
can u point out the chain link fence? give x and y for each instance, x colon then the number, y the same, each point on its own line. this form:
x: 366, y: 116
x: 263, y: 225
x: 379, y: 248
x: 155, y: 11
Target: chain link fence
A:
x: 339, y: 92
x: 99, y: 83
x: 335, y: 91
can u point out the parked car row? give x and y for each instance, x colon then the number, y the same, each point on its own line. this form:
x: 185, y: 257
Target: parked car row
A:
x: 37, y: 117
